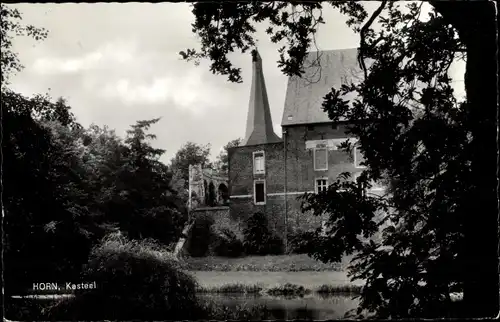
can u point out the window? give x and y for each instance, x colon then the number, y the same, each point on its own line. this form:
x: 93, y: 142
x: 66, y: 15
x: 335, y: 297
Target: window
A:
x: 375, y: 186
x: 320, y: 158
x: 259, y: 162
x: 358, y: 158
x: 259, y: 192
x: 321, y: 185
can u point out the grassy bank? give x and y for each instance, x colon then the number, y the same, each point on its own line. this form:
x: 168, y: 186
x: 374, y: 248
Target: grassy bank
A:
x: 261, y: 282
x: 280, y: 290
x: 274, y: 263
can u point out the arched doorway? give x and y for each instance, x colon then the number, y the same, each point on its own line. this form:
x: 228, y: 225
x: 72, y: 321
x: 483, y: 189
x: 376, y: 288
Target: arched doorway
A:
x: 223, y: 194
x: 212, y: 199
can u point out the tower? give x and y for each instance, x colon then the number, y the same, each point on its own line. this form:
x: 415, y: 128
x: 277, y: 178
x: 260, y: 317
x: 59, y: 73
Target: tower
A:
x: 259, y: 123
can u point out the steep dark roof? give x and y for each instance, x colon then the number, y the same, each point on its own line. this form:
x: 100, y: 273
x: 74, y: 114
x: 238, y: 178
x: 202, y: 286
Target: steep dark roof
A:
x: 323, y: 70
x: 259, y: 123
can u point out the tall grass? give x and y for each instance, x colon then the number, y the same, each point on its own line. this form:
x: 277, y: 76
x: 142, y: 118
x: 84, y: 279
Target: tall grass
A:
x: 287, y: 289
x: 232, y: 288
x: 333, y: 289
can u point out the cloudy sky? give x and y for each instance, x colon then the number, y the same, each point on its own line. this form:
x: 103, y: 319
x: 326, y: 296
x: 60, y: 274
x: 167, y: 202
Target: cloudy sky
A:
x: 118, y: 63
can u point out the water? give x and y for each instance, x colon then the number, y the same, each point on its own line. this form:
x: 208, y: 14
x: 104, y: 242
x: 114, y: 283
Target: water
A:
x: 308, y: 307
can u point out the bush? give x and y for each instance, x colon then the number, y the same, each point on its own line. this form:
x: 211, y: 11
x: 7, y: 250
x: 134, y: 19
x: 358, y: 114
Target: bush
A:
x: 288, y: 290
x: 199, y: 236
x: 134, y: 281
x: 299, y: 241
x: 258, y: 240
x: 275, y: 245
x: 225, y: 243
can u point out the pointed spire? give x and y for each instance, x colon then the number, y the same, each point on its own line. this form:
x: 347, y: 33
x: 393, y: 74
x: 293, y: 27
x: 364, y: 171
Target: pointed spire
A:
x: 259, y: 123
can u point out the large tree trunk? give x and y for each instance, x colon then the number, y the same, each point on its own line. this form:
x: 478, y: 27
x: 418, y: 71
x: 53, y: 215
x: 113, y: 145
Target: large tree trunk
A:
x: 476, y: 24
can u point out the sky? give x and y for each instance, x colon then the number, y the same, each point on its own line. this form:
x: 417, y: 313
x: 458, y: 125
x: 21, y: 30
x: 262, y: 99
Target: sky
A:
x: 118, y: 63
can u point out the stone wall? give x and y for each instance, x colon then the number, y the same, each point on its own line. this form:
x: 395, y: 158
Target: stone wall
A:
x: 207, y: 187
x: 221, y: 218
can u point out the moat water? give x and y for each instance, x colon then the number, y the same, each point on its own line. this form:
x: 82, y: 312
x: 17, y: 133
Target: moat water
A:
x: 309, y: 307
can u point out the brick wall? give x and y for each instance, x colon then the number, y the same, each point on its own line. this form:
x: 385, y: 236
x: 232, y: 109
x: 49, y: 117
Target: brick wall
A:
x: 300, y: 175
x: 242, y: 208
x: 241, y: 176
x: 300, y: 161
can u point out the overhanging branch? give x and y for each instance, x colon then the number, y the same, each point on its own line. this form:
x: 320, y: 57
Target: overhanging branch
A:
x: 363, y: 32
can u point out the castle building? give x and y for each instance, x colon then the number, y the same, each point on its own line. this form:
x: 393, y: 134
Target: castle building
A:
x: 268, y: 173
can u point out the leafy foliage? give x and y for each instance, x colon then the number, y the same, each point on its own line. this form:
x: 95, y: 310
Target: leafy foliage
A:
x: 225, y: 243
x: 258, y: 239
x: 299, y: 241
x: 190, y: 153
x: 133, y: 282
x: 66, y: 185
x: 222, y: 162
x: 10, y: 27
x: 52, y: 199
x: 144, y: 203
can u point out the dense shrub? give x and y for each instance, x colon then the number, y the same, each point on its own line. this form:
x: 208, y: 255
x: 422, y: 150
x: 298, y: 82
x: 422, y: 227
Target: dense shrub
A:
x: 288, y: 290
x: 225, y: 243
x: 258, y: 239
x: 299, y: 241
x: 134, y: 281
x: 200, y: 236
x: 275, y: 245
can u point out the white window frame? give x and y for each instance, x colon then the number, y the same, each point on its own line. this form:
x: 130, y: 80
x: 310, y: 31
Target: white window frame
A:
x: 316, y: 186
x: 355, y: 159
x: 263, y: 161
x: 314, y: 158
x: 263, y: 181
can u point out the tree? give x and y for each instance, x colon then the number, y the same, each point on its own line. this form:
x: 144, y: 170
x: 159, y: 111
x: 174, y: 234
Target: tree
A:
x: 143, y: 201
x: 45, y: 198
x: 222, y: 162
x: 44, y: 192
x: 66, y: 185
x: 402, y: 114
x: 190, y: 154
x: 10, y: 27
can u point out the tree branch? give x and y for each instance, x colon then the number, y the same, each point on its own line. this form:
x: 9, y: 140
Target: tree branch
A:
x: 363, y: 32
